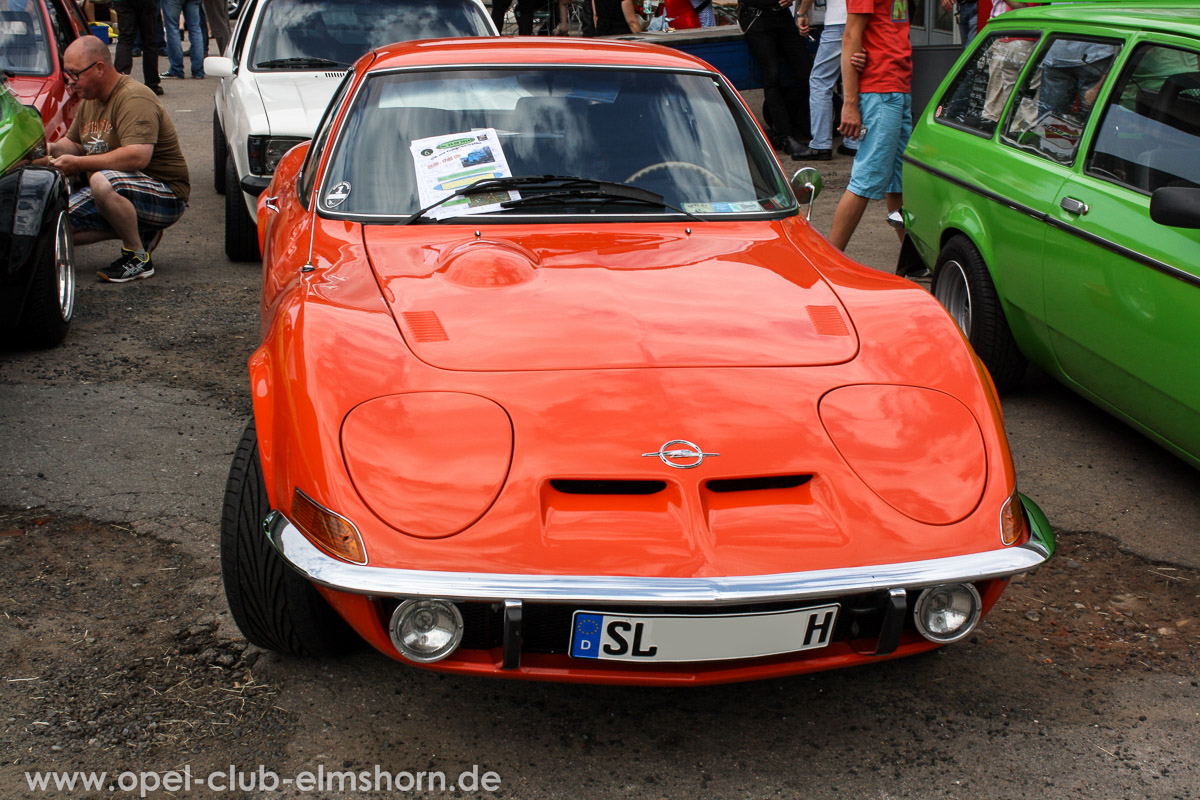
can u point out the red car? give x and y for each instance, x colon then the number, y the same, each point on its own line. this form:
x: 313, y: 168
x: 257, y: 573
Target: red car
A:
x: 32, y: 42
x: 557, y: 382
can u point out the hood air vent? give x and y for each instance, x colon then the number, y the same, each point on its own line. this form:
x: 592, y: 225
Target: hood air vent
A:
x: 758, y: 484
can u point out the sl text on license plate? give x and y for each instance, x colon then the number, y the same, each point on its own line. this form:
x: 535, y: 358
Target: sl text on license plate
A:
x: 689, y: 637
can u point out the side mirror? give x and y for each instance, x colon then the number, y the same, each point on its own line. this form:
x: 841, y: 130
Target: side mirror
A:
x: 807, y: 184
x: 1176, y: 206
x: 218, y: 66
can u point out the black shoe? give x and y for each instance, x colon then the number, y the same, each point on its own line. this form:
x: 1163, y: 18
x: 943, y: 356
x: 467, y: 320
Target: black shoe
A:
x: 809, y: 154
x: 847, y: 151
x: 158, y: 90
x: 127, y: 268
x: 793, y: 147
x: 170, y: 75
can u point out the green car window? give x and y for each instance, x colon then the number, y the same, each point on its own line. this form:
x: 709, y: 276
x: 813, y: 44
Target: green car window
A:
x: 1059, y: 95
x: 977, y: 96
x: 1150, y: 134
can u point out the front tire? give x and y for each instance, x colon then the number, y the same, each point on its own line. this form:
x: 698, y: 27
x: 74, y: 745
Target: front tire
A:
x: 273, y: 606
x: 963, y: 285
x: 51, y: 302
x: 241, y: 230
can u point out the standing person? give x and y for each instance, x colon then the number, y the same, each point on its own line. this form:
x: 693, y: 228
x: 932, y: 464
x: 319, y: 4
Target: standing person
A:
x: 876, y: 109
x: 190, y: 9
x: 826, y: 68
x: 773, y: 38
x: 525, y: 12
x: 615, y: 16
x: 967, y: 12
x: 139, y: 18
x: 124, y: 145
x: 217, y: 14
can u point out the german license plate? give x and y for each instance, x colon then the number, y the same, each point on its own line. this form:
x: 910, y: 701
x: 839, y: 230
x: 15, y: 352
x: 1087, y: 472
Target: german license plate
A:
x: 676, y: 637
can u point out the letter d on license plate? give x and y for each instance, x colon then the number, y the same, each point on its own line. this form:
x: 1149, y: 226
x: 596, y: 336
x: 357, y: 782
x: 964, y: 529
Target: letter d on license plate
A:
x: 680, y: 637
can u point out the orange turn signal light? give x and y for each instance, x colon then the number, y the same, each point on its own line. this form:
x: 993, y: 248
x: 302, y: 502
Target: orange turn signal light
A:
x: 334, y: 534
x: 1013, y: 524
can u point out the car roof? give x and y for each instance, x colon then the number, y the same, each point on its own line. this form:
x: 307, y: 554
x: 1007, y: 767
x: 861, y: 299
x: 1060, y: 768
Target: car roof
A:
x: 495, y: 51
x: 1180, y: 17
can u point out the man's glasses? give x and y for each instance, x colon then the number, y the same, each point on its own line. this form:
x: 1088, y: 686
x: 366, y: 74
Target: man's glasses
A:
x: 74, y: 74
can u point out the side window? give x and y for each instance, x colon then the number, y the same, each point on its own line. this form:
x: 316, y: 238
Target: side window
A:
x: 242, y: 27
x: 1058, y: 96
x: 1150, y: 134
x: 63, y: 33
x: 981, y: 89
x: 321, y: 139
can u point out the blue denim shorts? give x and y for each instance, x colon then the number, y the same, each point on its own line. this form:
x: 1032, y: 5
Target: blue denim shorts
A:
x: 887, y: 118
x: 157, y: 206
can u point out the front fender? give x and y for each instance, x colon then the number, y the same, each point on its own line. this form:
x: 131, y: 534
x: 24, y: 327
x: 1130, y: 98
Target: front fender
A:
x: 30, y: 200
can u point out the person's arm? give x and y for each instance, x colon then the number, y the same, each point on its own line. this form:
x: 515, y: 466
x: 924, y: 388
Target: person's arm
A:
x: 128, y: 158
x: 631, y: 17
x: 564, y: 7
x: 852, y: 42
x: 802, y: 16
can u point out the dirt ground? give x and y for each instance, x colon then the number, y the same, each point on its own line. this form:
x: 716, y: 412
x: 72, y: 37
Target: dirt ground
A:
x: 112, y: 654
x: 117, y: 652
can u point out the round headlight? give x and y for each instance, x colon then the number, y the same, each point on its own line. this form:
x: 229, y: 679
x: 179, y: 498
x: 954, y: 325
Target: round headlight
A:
x: 426, y: 630
x: 947, y: 613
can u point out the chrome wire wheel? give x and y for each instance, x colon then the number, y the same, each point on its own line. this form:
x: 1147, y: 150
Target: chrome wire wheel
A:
x: 954, y: 293
x: 64, y: 266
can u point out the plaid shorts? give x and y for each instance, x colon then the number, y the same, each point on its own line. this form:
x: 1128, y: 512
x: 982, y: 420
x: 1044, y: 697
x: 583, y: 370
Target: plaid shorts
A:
x: 157, y: 206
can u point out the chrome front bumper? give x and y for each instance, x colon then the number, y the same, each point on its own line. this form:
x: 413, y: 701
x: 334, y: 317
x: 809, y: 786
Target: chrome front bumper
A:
x: 325, y: 570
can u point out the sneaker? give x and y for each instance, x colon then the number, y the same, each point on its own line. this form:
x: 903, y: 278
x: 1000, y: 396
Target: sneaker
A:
x: 172, y: 75
x: 127, y: 268
x: 150, y: 239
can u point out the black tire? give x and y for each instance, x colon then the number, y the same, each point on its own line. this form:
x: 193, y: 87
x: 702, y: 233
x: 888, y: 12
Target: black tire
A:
x: 963, y: 285
x: 241, y: 230
x: 50, y: 305
x: 273, y: 606
x: 220, y: 155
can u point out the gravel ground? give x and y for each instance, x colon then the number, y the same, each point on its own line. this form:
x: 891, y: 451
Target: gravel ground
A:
x: 118, y: 652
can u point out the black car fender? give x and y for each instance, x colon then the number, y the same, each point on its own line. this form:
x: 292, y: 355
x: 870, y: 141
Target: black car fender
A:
x: 31, y: 199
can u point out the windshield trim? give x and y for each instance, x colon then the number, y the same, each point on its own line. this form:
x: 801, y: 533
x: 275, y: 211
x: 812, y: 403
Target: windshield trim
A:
x: 510, y: 217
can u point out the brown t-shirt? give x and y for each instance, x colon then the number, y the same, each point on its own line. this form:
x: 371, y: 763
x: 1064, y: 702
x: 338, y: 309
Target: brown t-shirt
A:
x: 133, y: 114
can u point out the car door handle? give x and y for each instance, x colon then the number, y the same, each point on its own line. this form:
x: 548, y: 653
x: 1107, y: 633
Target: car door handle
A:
x: 270, y: 203
x: 1073, y: 206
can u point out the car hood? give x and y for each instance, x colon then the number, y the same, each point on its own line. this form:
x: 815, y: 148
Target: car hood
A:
x: 536, y: 298
x: 295, y: 101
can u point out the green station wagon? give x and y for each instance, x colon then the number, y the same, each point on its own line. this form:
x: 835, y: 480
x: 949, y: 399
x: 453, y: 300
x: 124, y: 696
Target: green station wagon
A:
x: 1053, y: 188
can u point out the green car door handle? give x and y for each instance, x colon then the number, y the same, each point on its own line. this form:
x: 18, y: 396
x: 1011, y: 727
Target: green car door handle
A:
x: 1073, y: 206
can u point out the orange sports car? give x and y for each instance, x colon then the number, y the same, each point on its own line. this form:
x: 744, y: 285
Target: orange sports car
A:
x: 556, y: 381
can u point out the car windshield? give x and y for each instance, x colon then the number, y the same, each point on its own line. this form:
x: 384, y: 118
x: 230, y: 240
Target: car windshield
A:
x: 24, y: 46
x: 413, y: 138
x: 319, y: 34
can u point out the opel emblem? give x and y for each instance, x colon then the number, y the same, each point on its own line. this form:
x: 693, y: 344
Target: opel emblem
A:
x: 680, y: 454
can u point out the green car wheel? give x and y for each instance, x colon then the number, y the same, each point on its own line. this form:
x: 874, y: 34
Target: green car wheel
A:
x: 963, y: 285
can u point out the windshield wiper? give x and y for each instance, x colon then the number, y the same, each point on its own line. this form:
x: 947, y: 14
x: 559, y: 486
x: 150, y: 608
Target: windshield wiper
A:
x: 301, y: 61
x: 561, y: 187
x: 608, y: 192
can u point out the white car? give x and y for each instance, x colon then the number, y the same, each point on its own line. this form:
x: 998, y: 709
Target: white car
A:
x: 284, y: 62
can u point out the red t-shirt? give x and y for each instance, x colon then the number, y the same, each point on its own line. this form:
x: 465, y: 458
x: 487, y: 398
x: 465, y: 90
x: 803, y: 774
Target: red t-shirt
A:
x: 889, y: 51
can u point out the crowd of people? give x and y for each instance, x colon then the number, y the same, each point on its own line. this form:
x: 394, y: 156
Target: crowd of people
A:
x: 134, y: 179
